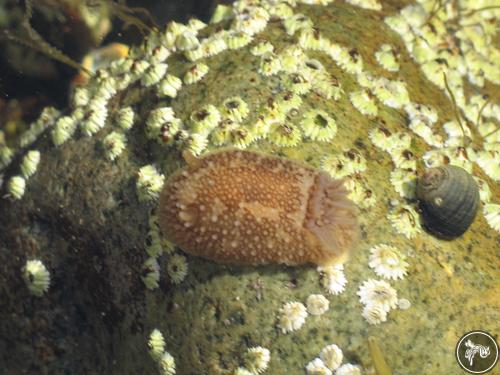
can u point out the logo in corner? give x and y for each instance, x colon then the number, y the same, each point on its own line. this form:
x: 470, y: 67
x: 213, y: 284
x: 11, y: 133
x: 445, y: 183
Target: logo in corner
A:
x: 477, y: 352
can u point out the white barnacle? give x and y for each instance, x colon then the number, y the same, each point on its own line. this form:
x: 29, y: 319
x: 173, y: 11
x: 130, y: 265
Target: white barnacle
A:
x: 317, y: 304
x: 16, y: 186
x: 235, y: 109
x: 388, y: 58
x: 167, y: 364
x: 114, y: 144
x: 94, y: 120
x: 404, y: 182
x: 332, y: 356
x: 204, y: 119
x: 154, y: 74
x: 333, y: 278
x: 297, y: 22
x: 237, y: 39
x: 80, y: 97
x: 177, y: 268
x: 30, y: 163
x: 169, y: 86
x: 404, y: 159
x: 63, y: 130
x: 359, y: 192
x: 187, y: 41
x: 6, y: 155
x: 151, y: 273
x: 270, y: 64
x: 378, y: 292
x: 374, y: 313
x: 156, y: 118
x: 297, y: 83
x: 327, y: 86
x: 292, y: 316
x: 405, y: 220
x: 159, y: 54
x: 125, y: 118
x: 388, y: 261
x: 261, y: 48
x: 489, y: 161
x: 364, y: 102
x: 154, y: 246
x: 387, y: 141
x: 257, y: 359
x: 345, y: 164
x: 36, y: 277
x: 156, y: 344
x: 348, y: 369
x: 284, y: 134
x: 149, y: 183
x: 491, y: 213
x: 318, y: 125
x: 317, y: 367
x: 195, y: 73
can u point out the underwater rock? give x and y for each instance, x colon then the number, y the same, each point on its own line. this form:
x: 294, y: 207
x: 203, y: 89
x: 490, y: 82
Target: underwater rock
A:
x: 250, y: 208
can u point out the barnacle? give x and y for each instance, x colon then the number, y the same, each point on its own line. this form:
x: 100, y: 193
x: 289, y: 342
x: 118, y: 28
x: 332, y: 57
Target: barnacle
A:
x: 332, y: 356
x: 235, y: 108
x: 345, y: 164
x: 292, y: 316
x: 16, y: 186
x: 387, y: 58
x: 114, y: 144
x: 156, y: 344
x: 333, y: 278
x: 167, y: 364
x: 63, y: 130
x: 318, y: 125
x: 270, y: 64
x: 378, y: 293
x: 125, y: 118
x: 205, y: 119
x: 388, y: 261
x: 262, y: 48
x: 317, y: 304
x: 195, y: 73
x: 149, y: 183
x: 317, y: 367
x: 151, y: 273
x: 36, y: 277
x: 29, y: 163
x: 154, y: 74
x: 284, y: 134
x: 492, y: 215
x: 364, y: 103
x: 177, y: 268
x: 156, y: 118
x: 257, y: 359
x: 169, y: 86
x: 405, y: 220
x: 374, y: 313
x: 348, y: 369
x: 237, y: 39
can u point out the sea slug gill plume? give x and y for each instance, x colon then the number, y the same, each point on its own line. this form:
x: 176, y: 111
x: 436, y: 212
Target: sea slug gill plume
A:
x: 244, y: 207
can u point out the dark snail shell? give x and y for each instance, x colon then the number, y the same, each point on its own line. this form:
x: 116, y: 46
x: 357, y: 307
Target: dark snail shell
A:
x: 449, y: 199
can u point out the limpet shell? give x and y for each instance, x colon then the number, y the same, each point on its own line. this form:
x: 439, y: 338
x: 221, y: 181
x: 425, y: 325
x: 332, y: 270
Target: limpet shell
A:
x: 449, y: 200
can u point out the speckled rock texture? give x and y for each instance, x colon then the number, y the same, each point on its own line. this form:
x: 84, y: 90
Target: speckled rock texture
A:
x: 82, y: 217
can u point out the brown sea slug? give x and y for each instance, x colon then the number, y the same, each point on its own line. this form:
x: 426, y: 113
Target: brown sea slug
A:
x: 245, y: 207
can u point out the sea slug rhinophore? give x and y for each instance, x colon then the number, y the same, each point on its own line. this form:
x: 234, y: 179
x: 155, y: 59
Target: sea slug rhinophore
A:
x: 244, y: 207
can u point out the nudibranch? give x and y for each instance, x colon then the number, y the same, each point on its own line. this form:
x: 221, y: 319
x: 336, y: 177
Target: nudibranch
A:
x: 244, y: 207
